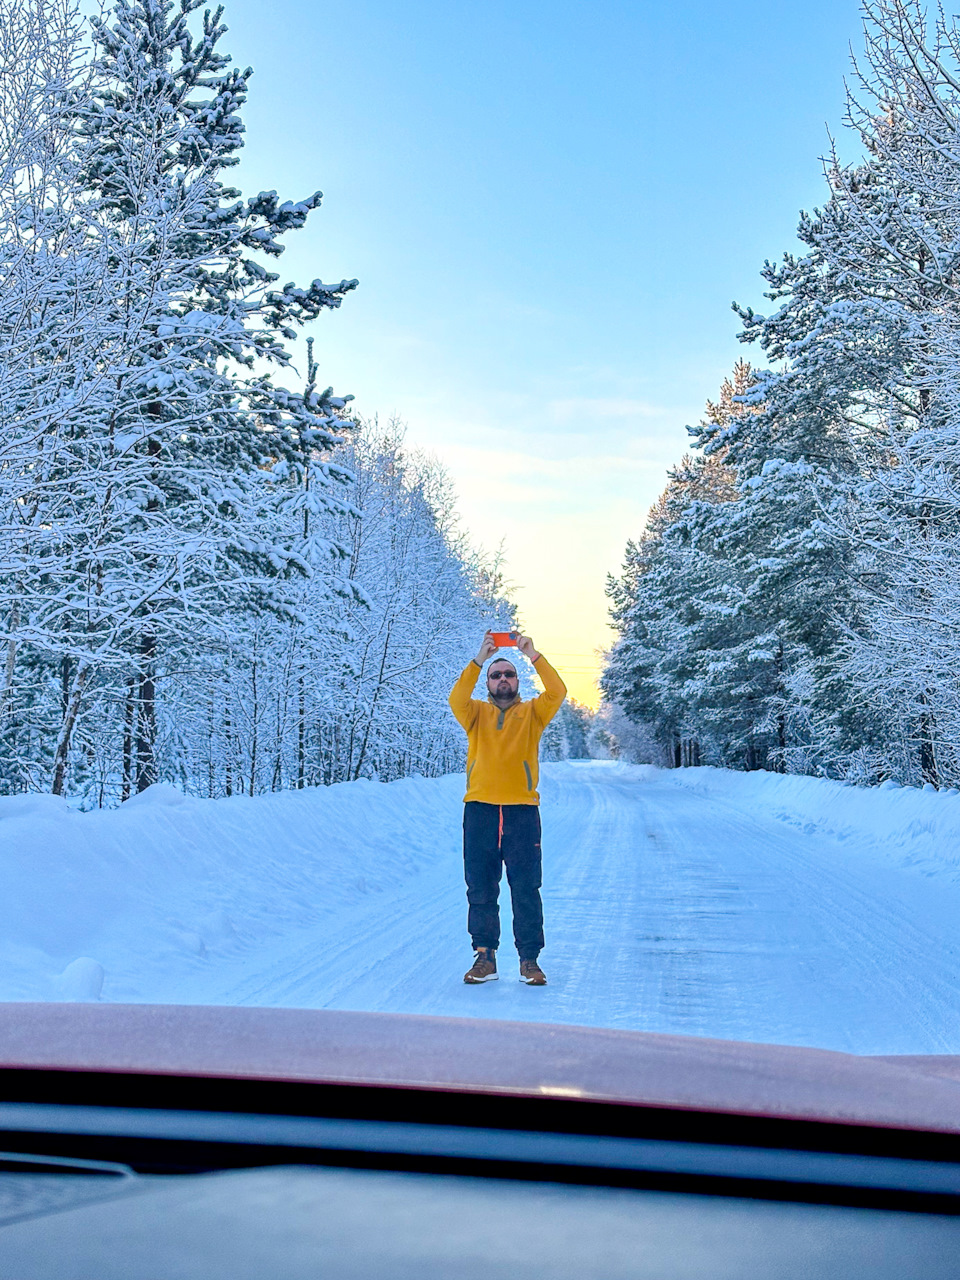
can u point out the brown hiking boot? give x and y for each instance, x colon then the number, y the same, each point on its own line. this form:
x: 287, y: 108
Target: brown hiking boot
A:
x: 484, y: 966
x: 532, y: 974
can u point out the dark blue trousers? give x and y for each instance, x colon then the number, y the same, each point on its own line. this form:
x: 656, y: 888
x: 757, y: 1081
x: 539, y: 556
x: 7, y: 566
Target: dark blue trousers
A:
x: 497, y: 836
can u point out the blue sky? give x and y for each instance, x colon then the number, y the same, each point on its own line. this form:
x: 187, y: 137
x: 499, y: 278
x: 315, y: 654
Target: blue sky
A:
x: 550, y: 208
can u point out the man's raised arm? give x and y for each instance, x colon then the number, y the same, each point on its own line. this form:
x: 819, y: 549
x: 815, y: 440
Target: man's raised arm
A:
x: 549, y: 702
x: 461, y: 703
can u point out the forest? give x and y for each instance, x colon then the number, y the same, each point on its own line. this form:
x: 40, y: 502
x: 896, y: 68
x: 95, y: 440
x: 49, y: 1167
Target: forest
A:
x: 212, y: 572
x: 217, y: 573
x: 793, y: 601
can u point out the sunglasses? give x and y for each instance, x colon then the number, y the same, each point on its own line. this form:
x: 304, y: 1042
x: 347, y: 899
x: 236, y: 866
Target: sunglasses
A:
x: 502, y: 675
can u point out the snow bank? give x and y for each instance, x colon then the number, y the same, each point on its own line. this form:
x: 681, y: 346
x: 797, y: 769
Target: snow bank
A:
x: 334, y: 897
x: 905, y: 826
x: 135, y: 898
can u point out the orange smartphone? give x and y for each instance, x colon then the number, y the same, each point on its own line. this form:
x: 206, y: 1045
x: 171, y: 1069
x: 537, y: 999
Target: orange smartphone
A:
x: 504, y: 639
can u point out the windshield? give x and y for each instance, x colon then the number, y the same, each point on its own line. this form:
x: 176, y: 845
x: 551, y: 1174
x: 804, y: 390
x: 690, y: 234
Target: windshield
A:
x: 429, y: 597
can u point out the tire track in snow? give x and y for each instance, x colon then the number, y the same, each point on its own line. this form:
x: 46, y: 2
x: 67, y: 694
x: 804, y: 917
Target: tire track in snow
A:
x: 858, y: 956
x: 665, y: 911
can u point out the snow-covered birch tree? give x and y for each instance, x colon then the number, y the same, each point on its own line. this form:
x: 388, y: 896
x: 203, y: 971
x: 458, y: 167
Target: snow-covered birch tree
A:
x: 346, y: 685
x: 48, y: 292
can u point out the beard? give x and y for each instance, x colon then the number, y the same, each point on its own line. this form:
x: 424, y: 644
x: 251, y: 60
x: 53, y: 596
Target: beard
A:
x: 503, y: 695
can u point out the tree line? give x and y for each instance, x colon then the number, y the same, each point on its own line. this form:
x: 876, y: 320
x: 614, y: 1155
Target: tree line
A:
x: 792, y: 603
x: 212, y: 572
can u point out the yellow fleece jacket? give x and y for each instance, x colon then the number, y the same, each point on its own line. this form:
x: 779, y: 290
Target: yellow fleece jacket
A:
x: 503, y: 746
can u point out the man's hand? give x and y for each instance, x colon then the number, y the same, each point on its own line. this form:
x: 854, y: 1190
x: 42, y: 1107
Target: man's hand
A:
x: 525, y: 645
x: 488, y: 647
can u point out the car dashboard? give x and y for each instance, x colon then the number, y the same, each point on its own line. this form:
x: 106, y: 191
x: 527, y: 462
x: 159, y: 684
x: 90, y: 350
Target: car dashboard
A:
x: 169, y: 1174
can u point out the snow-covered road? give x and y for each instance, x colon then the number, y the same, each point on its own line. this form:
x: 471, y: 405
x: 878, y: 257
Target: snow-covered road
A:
x: 749, y: 907
x: 665, y: 911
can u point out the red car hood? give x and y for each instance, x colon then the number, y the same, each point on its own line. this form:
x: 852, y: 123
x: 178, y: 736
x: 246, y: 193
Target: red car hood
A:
x: 516, y: 1058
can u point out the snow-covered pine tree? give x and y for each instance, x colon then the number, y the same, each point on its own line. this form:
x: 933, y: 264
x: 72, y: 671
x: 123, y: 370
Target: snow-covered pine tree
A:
x: 843, y: 366
x: 164, y: 501
x: 567, y: 736
x: 673, y: 602
x: 722, y: 611
x: 897, y: 246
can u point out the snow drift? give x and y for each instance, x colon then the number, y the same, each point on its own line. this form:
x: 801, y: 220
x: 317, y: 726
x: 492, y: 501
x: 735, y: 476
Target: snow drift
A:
x: 904, y: 826
x: 158, y: 885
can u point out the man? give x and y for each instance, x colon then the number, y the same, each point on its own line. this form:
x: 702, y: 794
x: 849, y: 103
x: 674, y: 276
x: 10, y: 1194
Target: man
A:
x: 501, y: 813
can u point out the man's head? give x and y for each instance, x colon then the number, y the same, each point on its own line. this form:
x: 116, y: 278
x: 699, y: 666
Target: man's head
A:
x: 502, y: 682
